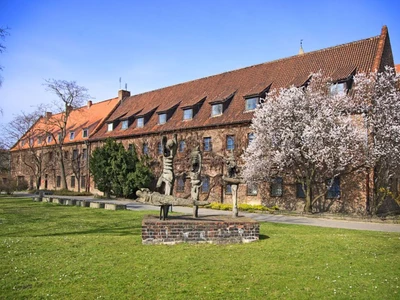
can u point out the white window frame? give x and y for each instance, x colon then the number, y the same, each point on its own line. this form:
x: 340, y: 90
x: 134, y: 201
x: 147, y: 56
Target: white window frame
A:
x: 124, y: 124
x: 251, y: 103
x: 162, y: 118
x: 188, y: 114
x: 140, y: 122
x: 110, y: 126
x: 217, y: 109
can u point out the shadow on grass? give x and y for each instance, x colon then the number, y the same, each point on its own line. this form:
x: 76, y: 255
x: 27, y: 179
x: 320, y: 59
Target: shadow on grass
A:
x: 263, y: 237
x: 119, y: 231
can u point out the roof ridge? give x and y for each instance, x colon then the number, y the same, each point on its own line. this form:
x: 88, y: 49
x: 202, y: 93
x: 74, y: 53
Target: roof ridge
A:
x: 265, y: 63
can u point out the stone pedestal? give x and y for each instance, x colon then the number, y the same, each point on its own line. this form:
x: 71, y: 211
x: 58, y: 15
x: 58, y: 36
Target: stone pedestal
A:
x: 113, y: 206
x: 58, y: 201
x: 208, y: 229
x: 97, y: 205
x: 69, y: 202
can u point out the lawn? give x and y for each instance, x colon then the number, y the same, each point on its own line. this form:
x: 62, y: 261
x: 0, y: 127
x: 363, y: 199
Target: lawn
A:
x: 65, y: 252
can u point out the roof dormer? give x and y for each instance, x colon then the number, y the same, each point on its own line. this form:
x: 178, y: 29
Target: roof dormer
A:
x: 190, y: 111
x: 166, y: 114
x: 220, y: 104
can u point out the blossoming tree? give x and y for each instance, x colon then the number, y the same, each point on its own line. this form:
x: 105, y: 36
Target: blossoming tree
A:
x: 378, y: 97
x: 309, y: 134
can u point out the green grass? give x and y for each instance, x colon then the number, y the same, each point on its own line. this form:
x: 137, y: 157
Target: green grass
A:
x: 63, y: 252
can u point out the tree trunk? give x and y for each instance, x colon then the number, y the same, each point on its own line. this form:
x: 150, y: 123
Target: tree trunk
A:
x: 308, y: 204
x: 64, y: 184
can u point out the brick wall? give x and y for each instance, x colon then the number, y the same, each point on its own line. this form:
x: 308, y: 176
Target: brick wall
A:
x: 210, y: 229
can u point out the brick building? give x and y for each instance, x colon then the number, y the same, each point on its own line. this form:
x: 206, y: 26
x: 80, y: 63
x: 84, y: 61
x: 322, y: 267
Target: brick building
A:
x: 215, y: 112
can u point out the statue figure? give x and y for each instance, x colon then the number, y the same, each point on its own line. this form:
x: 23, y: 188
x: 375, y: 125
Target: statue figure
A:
x: 195, y: 160
x: 145, y: 196
x: 167, y: 176
x: 233, y: 179
x: 231, y: 166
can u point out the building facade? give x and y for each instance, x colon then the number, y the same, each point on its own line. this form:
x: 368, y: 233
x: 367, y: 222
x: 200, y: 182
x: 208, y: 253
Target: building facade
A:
x: 215, y: 113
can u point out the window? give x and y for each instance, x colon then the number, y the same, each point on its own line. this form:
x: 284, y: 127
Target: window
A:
x: 50, y: 155
x: 145, y: 148
x: 85, y: 133
x: 31, y: 141
x: 40, y: 140
x: 334, y: 190
x: 251, y: 103
x: 72, y: 181
x: 66, y: 154
x: 130, y: 147
x: 124, y: 124
x: 205, y: 184
x: 74, y: 154
x: 182, y: 146
x: 207, y: 145
x: 277, y: 187
x: 216, y: 109
x: 83, y: 181
x: 188, y: 114
x: 59, y: 137
x: 160, y: 148
x: 162, y: 119
x: 71, y: 135
x: 140, y: 122
x: 180, y: 187
x: 228, y: 189
x: 338, y: 88
x: 250, y: 138
x: 300, y: 193
x: 58, y: 181
x: 252, y: 189
x: 84, y: 153
x: 110, y: 127
x: 22, y: 143
x: 49, y: 138
x: 230, y: 142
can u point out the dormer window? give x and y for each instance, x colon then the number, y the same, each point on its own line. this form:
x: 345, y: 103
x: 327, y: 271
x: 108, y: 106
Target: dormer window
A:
x: 71, y: 135
x: 85, y: 133
x: 216, y: 109
x: 125, y: 124
x: 251, y: 103
x: 338, y: 88
x: 188, y: 114
x: 110, y: 127
x: 49, y: 138
x: 22, y: 143
x: 162, y: 118
x: 40, y: 140
x: 140, y: 122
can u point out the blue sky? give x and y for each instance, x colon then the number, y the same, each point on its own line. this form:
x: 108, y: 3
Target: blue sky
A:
x: 153, y: 44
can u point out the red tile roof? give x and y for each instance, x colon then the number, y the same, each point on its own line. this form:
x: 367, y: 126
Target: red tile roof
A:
x: 336, y: 62
x: 85, y: 117
x: 397, y: 69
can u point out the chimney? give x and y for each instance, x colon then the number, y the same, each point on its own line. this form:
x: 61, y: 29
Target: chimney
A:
x: 89, y: 103
x: 48, y: 115
x: 122, y: 94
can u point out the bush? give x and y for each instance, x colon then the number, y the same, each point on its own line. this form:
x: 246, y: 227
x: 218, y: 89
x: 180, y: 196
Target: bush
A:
x: 22, y: 185
x: 70, y: 193
x: 9, y: 186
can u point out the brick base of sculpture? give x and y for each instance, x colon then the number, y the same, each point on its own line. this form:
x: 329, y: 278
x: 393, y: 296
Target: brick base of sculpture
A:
x: 207, y: 229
